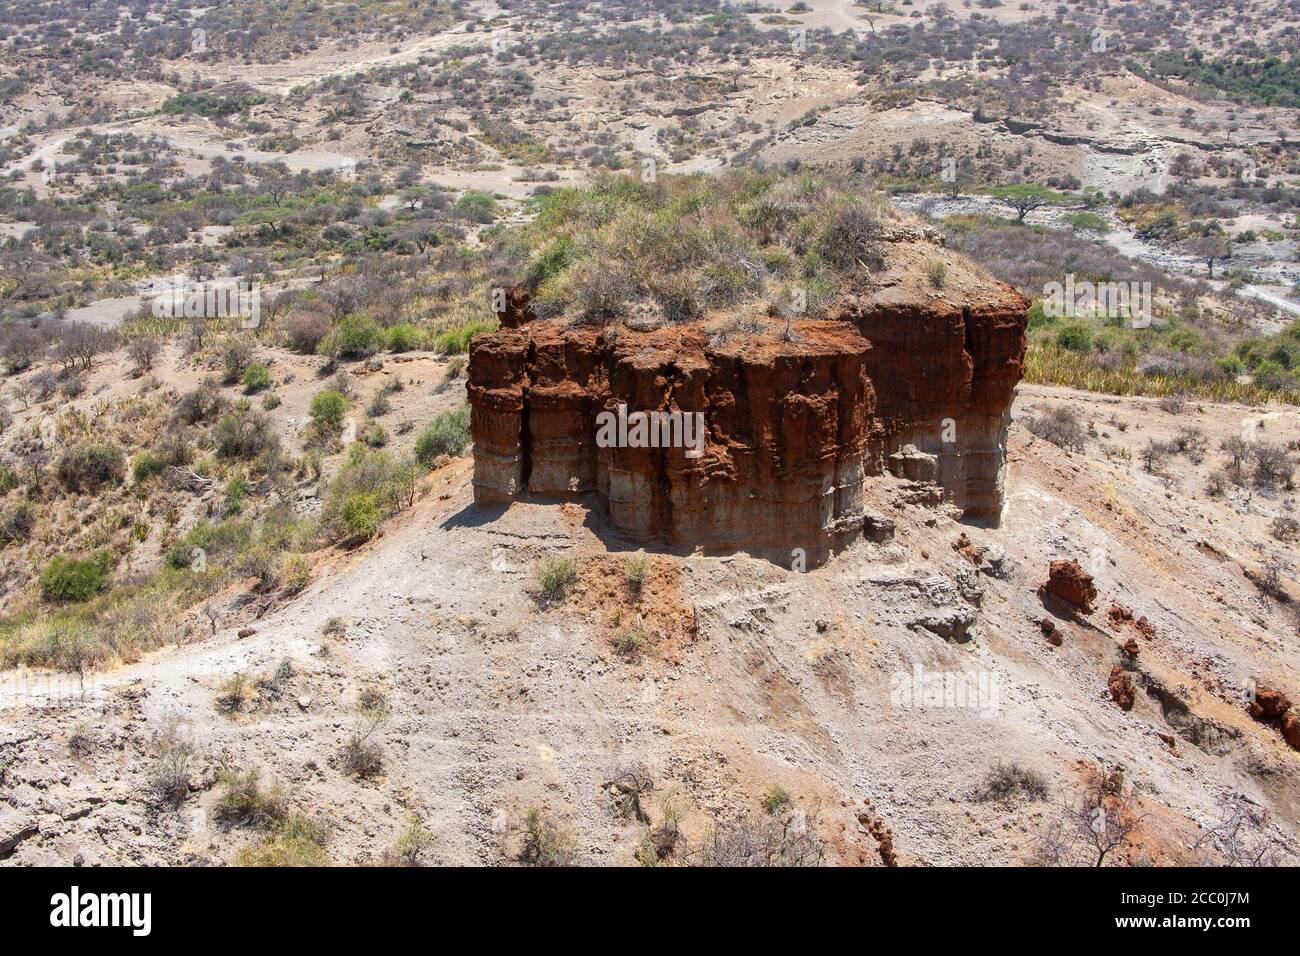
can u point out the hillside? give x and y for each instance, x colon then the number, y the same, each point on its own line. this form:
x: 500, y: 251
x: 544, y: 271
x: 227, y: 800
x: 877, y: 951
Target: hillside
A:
x: 754, y: 676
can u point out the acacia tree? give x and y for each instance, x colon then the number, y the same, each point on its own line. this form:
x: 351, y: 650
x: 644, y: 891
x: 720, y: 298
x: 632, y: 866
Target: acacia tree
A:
x: 1026, y: 197
x: 1208, y: 249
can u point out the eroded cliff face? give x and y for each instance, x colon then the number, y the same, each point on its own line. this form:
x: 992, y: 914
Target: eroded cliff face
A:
x: 916, y: 382
x: 945, y: 373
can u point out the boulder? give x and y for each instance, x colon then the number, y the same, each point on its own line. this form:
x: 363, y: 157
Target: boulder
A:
x: 1121, y: 688
x: 1069, y: 583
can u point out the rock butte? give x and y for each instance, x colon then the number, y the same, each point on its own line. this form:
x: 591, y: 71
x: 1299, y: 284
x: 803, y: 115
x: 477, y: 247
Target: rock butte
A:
x: 793, y: 427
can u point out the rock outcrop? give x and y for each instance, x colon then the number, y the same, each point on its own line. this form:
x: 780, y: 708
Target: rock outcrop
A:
x: 1273, y: 707
x: 915, y: 381
x: 1069, y: 583
x: 1121, y: 689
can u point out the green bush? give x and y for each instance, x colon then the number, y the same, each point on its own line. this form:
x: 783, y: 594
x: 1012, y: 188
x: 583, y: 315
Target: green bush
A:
x: 448, y: 434
x: 1273, y: 376
x: 237, y: 489
x: 361, y: 515
x: 477, y: 207
x: 87, y: 466
x: 328, y: 408
x: 371, y: 486
x: 1038, y: 317
x: 556, y: 576
x: 76, y: 579
x: 257, y: 377
x: 1231, y: 365
x: 356, y: 336
x: 404, y: 338
x: 455, y: 341
x: 1076, y: 337
x: 146, y: 465
x: 1087, y: 220
x: 776, y: 799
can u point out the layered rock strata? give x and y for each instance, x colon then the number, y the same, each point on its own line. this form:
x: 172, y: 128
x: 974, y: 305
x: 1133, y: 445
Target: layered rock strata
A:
x: 912, y: 383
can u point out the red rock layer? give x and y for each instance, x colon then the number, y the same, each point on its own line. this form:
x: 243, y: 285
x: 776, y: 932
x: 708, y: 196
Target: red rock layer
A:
x: 786, y: 427
x: 945, y: 375
x: 791, y: 427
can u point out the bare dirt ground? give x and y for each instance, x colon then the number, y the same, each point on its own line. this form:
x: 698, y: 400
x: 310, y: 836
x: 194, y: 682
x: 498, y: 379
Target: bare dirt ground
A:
x: 754, y: 675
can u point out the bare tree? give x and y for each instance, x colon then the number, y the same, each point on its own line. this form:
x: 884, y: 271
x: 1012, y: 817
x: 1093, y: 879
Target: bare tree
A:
x: 80, y: 343
x: 143, y: 349
x: 1088, y: 832
x: 1242, y: 837
x: 787, y: 840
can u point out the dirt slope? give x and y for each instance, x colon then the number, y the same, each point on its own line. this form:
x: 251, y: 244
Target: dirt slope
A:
x: 751, y: 675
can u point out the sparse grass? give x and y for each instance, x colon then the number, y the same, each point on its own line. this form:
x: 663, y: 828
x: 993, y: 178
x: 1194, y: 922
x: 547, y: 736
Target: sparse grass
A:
x: 294, y: 841
x: 169, y: 775
x: 373, y: 701
x: 631, y: 642
x: 414, y: 846
x: 555, y: 576
x: 244, y: 803
x: 232, y: 693
x: 121, y: 623
x: 663, y: 841
x: 1007, y: 782
x: 545, y: 842
x: 775, y: 799
x: 362, y: 756
x: 455, y: 367
x: 767, y: 840
x: 295, y: 573
x: 636, y: 568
